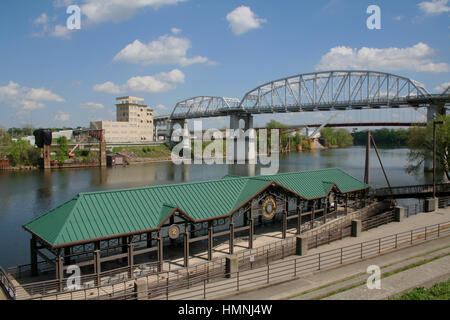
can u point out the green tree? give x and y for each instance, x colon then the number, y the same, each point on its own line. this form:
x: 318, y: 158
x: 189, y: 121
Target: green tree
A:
x: 62, y: 151
x: 18, y: 153
x: 420, y: 145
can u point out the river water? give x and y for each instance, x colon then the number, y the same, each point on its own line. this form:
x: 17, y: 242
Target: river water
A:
x: 26, y: 195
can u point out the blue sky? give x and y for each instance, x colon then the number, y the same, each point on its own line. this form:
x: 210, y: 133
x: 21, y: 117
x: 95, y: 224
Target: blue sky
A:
x: 169, y: 50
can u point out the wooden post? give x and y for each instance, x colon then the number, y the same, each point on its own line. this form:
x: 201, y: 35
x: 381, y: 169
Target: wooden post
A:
x: 210, y: 240
x: 186, y: 249
x: 33, y: 252
x: 299, y: 220
x: 250, y: 234
x: 231, y: 237
x: 130, y: 259
x: 313, y: 214
x: 160, y: 252
x: 60, y: 271
x: 336, y: 208
x: 97, y: 266
x: 346, y: 204
x: 284, y: 230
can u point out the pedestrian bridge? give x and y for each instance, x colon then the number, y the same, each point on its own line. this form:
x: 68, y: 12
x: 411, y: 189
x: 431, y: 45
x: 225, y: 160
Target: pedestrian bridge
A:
x: 415, y: 191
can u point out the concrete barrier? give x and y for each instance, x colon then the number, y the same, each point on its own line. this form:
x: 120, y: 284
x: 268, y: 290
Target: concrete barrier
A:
x: 231, y: 266
x: 399, y: 213
x: 356, y: 228
x: 301, y: 246
x: 431, y: 204
x: 141, y: 289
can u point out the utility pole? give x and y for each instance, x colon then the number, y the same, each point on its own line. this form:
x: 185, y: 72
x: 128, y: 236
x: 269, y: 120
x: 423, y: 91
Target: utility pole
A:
x: 367, y: 166
x: 434, y: 155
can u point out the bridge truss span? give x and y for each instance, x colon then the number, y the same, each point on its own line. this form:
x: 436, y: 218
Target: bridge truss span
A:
x: 204, y: 106
x: 333, y: 90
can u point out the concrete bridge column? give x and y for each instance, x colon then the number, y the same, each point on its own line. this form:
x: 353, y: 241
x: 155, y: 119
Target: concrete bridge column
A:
x: 242, y: 146
x: 186, y: 142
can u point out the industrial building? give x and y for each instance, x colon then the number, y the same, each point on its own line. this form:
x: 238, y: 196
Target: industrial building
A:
x: 134, y: 122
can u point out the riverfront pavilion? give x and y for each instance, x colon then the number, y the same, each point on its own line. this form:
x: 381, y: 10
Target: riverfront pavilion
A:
x: 117, y: 226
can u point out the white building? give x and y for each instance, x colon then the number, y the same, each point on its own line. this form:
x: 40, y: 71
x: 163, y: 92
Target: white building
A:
x: 134, y: 122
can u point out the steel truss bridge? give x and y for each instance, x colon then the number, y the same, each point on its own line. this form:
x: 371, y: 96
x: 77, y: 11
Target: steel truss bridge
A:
x: 318, y: 91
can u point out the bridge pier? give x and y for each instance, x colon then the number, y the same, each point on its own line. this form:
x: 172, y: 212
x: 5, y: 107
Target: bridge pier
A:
x: 241, y: 145
x: 184, y: 136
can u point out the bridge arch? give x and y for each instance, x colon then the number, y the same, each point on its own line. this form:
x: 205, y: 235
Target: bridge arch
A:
x: 332, y: 90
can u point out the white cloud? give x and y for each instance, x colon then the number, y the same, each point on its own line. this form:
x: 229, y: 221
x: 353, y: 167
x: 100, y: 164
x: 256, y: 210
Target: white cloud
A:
x: 161, y: 82
x: 92, y: 105
x: 242, y: 20
x: 166, y: 50
x: 434, y: 7
x: 399, y: 18
x: 61, y: 31
x: 442, y: 87
x: 417, y: 58
x: 175, y: 30
x: 107, y: 87
x: 43, y: 95
x: 98, y: 11
x: 61, y: 116
x: 26, y: 99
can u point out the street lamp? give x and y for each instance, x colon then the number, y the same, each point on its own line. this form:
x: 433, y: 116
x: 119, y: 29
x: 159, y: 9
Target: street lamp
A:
x: 434, y: 155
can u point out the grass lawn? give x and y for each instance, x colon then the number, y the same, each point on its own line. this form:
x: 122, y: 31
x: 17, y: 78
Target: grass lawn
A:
x: 440, y: 291
x: 147, y: 152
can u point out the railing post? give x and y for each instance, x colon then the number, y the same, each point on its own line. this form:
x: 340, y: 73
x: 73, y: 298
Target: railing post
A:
x: 361, y: 250
x: 238, y: 281
x: 204, y: 289
x: 295, y: 267
x: 425, y: 233
x: 379, y: 246
x: 396, y: 241
x: 341, y: 255
x: 411, y: 236
x: 167, y: 288
x: 268, y: 271
x: 439, y: 227
x: 319, y: 261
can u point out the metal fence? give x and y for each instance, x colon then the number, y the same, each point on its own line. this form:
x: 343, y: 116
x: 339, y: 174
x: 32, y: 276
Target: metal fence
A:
x: 7, y: 285
x: 292, y: 268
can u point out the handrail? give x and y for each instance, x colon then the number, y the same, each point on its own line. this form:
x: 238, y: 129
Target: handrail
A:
x: 5, y: 281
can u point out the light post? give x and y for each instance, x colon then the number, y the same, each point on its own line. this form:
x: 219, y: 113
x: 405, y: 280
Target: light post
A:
x: 434, y: 155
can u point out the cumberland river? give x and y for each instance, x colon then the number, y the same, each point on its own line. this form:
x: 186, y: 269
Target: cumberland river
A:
x: 26, y: 195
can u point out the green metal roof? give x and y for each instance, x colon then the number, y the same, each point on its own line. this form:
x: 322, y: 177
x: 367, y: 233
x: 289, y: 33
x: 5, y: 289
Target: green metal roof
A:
x: 100, y: 215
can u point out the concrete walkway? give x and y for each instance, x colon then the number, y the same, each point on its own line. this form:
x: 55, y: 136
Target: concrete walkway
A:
x: 322, y: 283
x: 422, y: 276
x: 348, y: 275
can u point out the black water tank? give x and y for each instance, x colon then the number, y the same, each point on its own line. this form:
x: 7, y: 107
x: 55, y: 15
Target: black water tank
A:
x: 43, y: 137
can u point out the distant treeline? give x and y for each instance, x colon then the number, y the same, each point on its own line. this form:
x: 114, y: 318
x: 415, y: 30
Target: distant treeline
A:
x: 384, y: 137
